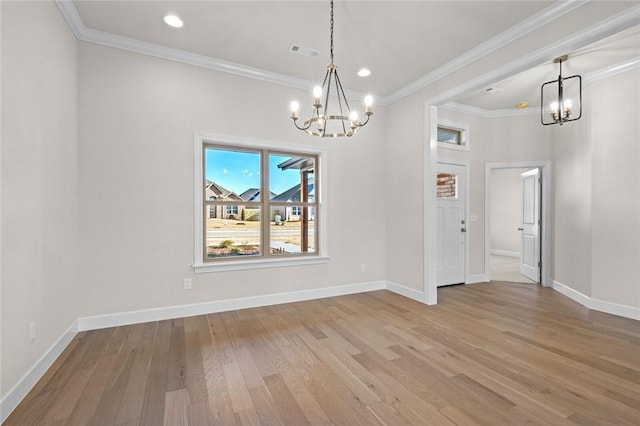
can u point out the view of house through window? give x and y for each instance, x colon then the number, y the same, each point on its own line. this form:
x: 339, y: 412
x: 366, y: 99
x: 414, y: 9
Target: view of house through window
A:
x: 450, y: 136
x: 258, y: 203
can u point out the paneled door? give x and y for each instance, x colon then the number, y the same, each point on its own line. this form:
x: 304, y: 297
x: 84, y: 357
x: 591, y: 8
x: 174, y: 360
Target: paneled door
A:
x: 530, y: 245
x: 451, y: 214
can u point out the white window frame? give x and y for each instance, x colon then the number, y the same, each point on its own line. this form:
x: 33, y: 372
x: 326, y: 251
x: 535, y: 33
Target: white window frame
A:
x: 464, y: 135
x: 229, y: 209
x: 199, y: 265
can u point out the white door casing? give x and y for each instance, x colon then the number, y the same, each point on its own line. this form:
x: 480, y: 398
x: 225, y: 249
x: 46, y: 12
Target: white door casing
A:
x: 530, y: 239
x: 451, y: 226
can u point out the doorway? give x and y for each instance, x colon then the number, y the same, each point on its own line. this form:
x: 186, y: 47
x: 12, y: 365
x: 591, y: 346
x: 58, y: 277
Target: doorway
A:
x: 517, y: 227
x: 506, y: 217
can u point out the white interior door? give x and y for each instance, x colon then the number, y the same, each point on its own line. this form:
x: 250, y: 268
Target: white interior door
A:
x: 451, y: 213
x: 530, y: 246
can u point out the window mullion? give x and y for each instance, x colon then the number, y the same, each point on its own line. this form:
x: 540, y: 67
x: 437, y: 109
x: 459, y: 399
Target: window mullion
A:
x: 264, y: 200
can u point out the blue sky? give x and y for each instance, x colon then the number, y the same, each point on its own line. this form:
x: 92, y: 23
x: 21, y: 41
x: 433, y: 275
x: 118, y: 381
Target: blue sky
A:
x: 239, y: 171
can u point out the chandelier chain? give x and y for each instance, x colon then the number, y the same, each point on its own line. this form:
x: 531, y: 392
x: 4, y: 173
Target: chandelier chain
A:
x: 331, y: 31
x: 328, y: 120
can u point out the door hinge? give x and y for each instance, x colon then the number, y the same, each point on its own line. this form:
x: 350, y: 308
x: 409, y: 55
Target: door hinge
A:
x: 539, y: 264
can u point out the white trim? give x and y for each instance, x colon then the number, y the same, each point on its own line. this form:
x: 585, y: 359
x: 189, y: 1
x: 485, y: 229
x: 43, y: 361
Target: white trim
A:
x: 407, y: 292
x: 478, y: 278
x: 246, y: 264
x: 488, y: 113
x: 612, y: 25
x: 181, y: 311
x: 199, y: 265
x: 519, y: 30
x: 546, y: 217
x: 26, y: 383
x: 594, y: 76
x: 505, y: 253
x: 31, y: 377
x: 597, y: 304
x: 90, y: 35
x: 430, y: 227
x: 623, y: 20
x: 612, y: 70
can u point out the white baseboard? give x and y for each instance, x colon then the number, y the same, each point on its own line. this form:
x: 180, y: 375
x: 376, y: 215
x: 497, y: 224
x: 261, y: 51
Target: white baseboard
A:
x: 479, y: 278
x: 506, y: 253
x: 597, y: 304
x: 31, y: 377
x: 24, y: 385
x: 405, y: 291
x: 181, y: 311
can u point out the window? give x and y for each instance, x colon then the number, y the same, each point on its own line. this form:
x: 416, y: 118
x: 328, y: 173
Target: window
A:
x: 450, y: 136
x: 453, y: 135
x: 259, y: 205
x: 232, y: 210
x: 446, y: 186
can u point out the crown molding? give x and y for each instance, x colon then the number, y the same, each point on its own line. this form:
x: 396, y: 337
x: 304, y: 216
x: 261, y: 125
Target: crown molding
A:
x: 612, y: 70
x: 607, y: 27
x: 488, y: 113
x: 614, y: 24
x: 90, y: 35
x: 519, y: 30
x: 592, y: 77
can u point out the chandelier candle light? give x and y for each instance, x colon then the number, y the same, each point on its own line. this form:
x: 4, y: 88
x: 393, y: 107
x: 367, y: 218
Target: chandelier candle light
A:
x: 561, y: 107
x: 340, y: 120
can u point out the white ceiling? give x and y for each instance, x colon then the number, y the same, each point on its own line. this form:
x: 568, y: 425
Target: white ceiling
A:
x: 400, y: 41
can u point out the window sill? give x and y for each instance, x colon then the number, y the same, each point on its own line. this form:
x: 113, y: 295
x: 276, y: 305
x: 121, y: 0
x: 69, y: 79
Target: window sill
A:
x: 452, y: 146
x: 258, y: 264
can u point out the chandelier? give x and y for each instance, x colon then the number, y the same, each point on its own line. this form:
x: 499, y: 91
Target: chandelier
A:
x: 333, y: 118
x: 557, y: 97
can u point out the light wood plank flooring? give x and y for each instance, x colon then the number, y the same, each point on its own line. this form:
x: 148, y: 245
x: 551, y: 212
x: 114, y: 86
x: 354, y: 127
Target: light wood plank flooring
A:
x: 488, y: 354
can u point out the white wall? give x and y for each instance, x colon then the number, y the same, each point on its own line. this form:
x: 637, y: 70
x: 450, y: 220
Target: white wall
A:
x: 138, y: 115
x: 597, y: 225
x: 506, y: 210
x: 615, y: 193
x: 402, y: 197
x: 597, y: 199
x: 571, y: 157
x: 39, y: 183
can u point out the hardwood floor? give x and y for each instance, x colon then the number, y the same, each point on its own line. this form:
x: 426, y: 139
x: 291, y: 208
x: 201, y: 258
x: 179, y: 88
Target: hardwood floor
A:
x: 490, y: 354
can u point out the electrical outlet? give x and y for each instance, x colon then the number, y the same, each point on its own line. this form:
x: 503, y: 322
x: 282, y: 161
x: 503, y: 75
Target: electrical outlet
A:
x: 363, y: 267
x: 187, y: 284
x: 32, y: 331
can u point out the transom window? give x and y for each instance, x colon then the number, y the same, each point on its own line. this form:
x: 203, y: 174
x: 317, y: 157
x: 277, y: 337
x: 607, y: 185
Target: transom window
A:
x: 452, y: 135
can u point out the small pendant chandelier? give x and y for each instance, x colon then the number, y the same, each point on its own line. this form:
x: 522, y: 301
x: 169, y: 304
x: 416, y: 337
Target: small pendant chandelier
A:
x: 334, y: 118
x: 558, y: 97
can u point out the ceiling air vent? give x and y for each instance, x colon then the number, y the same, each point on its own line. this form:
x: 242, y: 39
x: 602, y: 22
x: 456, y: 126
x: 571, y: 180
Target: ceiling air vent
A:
x: 306, y: 51
x: 493, y: 89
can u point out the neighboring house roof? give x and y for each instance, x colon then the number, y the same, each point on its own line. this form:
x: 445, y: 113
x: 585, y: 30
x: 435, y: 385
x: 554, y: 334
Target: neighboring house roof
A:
x: 301, y: 163
x: 292, y: 195
x: 215, y: 191
x: 253, y: 194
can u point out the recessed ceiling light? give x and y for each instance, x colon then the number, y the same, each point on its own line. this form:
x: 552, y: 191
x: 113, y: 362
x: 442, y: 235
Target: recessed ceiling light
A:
x: 364, y: 72
x: 173, y: 21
